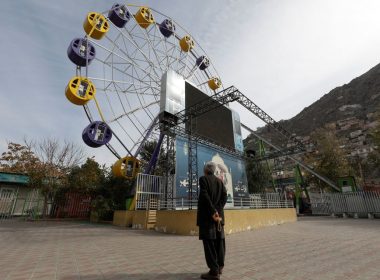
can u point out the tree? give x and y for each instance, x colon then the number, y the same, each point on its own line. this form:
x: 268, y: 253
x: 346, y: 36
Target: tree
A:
x: 56, y: 161
x: 21, y: 159
x: 147, y: 153
x: 17, y: 159
x: 47, y: 163
x: 329, y: 159
x: 258, y: 175
x: 88, y: 177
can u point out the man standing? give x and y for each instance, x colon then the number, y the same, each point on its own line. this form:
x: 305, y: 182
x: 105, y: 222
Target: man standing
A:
x: 210, y: 219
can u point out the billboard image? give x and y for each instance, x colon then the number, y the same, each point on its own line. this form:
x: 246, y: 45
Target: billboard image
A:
x: 230, y: 169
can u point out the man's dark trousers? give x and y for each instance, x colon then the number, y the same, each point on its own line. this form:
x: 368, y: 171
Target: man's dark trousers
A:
x: 215, y: 250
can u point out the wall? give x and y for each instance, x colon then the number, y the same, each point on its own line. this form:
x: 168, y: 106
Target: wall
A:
x: 243, y: 220
x: 123, y: 218
x: 130, y: 218
x: 183, y: 222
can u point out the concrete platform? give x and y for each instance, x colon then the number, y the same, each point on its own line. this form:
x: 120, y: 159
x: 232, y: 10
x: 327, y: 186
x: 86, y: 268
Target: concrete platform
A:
x: 183, y: 222
x: 311, y: 249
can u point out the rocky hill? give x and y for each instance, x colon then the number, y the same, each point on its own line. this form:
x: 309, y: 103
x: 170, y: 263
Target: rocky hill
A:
x: 355, y: 102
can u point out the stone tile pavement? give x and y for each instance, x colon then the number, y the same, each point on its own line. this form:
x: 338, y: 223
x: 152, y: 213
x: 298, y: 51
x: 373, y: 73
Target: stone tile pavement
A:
x: 313, y: 248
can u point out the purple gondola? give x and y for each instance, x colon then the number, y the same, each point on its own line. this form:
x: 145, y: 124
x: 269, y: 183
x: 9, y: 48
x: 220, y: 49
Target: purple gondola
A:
x: 203, y: 62
x: 80, y: 51
x: 167, y: 27
x: 97, y: 134
x: 119, y: 15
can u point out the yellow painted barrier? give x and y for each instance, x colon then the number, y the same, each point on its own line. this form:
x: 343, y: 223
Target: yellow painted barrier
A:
x: 123, y: 218
x: 183, y: 222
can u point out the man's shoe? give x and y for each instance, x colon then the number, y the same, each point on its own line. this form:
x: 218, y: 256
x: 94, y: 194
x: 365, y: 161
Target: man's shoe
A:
x: 210, y: 275
x: 221, y: 270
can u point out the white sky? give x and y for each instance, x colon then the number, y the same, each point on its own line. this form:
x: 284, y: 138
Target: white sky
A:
x: 283, y: 54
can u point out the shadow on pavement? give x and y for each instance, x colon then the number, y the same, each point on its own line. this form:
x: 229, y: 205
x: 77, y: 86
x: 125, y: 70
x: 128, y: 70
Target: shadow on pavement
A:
x: 137, y: 276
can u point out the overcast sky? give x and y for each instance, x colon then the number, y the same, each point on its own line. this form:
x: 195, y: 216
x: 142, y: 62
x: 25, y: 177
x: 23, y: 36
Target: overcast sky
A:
x: 282, y: 54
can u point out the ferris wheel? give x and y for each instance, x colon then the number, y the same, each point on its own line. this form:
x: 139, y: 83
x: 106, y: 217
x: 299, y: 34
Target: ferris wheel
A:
x: 119, y: 64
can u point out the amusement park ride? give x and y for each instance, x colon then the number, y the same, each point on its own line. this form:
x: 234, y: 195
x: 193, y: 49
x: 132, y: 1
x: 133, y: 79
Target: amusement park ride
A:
x: 137, y: 72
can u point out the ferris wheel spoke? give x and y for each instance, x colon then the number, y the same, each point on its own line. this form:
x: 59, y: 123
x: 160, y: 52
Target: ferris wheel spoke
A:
x: 108, y: 80
x: 155, y: 90
x: 134, y: 33
x: 127, y: 60
x: 123, y: 72
x: 127, y: 55
x: 125, y: 91
x: 142, y: 97
x: 126, y: 132
x: 133, y: 111
x: 160, y: 45
x: 164, y: 40
x: 181, y: 64
x: 114, y: 114
x: 152, y: 48
x: 124, y: 36
x: 147, y: 134
x: 150, y: 65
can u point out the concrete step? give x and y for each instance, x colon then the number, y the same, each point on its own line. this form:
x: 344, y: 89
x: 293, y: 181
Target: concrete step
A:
x: 151, y: 219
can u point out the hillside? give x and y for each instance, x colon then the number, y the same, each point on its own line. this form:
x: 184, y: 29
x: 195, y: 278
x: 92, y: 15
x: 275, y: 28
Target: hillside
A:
x: 358, y: 100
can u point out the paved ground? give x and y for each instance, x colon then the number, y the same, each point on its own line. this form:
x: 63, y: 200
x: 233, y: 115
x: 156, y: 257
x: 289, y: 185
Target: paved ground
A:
x: 313, y: 248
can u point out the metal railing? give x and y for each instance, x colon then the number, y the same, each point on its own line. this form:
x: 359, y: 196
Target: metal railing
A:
x: 360, y: 203
x: 149, y: 190
x: 240, y: 203
x: 7, y: 204
x: 29, y: 204
x: 150, y: 194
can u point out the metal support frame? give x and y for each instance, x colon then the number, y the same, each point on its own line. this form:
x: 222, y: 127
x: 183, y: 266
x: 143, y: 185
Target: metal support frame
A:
x: 300, y: 181
x: 279, y: 153
x: 232, y: 94
x: 153, y: 161
x: 146, y: 137
x: 170, y: 166
x: 180, y: 131
x: 305, y: 166
x: 262, y: 155
x: 256, y: 110
x: 221, y: 98
x: 192, y: 162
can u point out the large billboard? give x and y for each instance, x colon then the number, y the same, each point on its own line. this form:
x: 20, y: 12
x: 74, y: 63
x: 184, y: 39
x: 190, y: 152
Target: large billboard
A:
x: 221, y: 125
x: 209, y: 124
x: 230, y: 169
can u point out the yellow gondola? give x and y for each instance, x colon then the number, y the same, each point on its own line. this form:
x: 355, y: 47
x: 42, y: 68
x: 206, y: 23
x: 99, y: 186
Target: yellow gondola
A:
x: 144, y: 17
x: 80, y: 90
x: 214, y: 83
x: 186, y: 43
x: 95, y: 25
x: 127, y: 167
